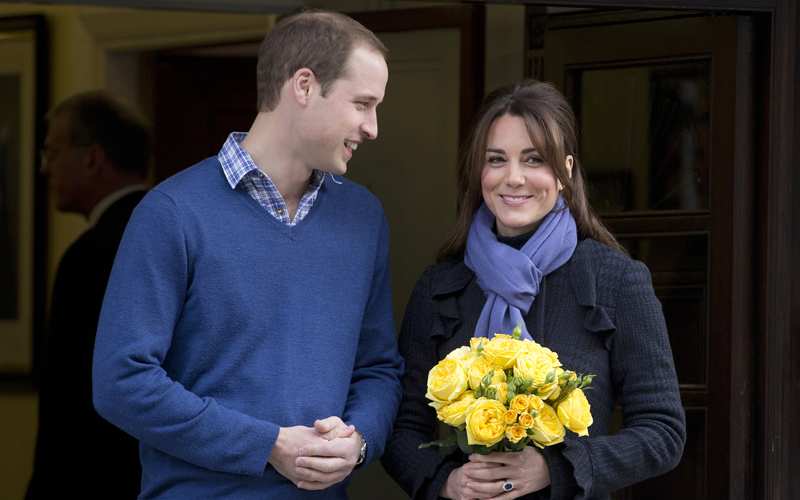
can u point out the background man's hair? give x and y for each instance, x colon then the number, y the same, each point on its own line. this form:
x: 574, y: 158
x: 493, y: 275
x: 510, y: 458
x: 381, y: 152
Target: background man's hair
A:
x: 96, y: 117
x: 319, y: 40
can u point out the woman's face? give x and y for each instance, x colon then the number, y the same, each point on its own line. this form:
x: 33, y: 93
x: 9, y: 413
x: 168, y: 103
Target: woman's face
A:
x: 518, y: 187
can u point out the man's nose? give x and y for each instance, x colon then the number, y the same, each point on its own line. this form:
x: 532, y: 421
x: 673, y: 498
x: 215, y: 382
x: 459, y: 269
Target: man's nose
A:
x: 370, y: 126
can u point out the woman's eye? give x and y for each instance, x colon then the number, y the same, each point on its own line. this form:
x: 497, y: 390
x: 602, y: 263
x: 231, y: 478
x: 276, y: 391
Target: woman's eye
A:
x: 495, y: 160
x: 534, y: 159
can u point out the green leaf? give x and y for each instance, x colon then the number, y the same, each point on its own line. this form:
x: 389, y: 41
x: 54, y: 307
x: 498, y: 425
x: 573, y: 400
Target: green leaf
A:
x: 519, y: 445
x: 449, y: 440
x: 463, y: 443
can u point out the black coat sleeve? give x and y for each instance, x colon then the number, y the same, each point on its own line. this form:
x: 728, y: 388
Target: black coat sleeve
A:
x: 421, y: 473
x: 644, y: 376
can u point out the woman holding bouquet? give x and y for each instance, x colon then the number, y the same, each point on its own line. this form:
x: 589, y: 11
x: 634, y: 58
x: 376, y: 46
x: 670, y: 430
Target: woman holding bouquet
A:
x: 528, y: 249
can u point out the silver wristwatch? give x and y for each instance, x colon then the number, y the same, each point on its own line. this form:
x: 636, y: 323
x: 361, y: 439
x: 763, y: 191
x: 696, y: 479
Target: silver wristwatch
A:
x: 363, y: 452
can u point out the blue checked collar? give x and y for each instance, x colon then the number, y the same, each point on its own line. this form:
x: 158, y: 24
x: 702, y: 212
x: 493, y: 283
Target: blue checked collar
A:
x: 239, y: 168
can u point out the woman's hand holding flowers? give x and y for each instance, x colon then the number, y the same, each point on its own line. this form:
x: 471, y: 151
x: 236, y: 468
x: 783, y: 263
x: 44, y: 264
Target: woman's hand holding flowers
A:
x: 483, y: 477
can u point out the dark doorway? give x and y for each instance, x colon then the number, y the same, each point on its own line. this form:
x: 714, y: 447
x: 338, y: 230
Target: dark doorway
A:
x: 655, y: 97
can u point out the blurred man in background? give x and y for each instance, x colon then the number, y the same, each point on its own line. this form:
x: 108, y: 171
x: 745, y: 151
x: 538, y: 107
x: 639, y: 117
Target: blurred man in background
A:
x: 96, y: 156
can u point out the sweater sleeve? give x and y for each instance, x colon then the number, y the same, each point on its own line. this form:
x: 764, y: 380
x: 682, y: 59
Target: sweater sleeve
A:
x: 143, y: 303
x: 375, y: 393
x: 421, y: 473
x: 644, y: 375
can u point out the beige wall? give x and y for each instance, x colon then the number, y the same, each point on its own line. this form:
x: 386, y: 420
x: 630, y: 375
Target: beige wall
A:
x: 95, y: 47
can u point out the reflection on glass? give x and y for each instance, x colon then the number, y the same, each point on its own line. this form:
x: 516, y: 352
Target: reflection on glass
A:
x: 645, y: 135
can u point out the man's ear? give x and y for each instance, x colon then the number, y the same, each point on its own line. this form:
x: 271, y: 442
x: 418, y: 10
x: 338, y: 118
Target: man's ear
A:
x: 303, y: 84
x: 94, y: 160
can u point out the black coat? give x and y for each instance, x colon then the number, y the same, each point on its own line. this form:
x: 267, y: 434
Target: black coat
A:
x: 78, y: 454
x: 599, y: 313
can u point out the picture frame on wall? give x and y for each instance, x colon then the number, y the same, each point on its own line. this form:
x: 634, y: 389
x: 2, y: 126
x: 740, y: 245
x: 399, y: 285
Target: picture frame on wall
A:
x: 23, y: 195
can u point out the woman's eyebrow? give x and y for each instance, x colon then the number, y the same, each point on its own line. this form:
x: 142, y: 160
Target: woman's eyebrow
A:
x: 503, y: 151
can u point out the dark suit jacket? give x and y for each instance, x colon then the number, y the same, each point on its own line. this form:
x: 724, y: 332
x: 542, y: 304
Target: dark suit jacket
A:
x: 599, y: 313
x: 78, y: 454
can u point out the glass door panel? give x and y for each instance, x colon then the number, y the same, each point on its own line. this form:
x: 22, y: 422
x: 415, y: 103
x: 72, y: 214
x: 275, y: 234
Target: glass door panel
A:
x: 645, y: 142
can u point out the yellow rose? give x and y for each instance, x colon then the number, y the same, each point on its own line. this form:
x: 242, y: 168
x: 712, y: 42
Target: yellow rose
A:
x: 510, y: 417
x: 463, y: 355
x: 446, y: 381
x: 535, y: 403
x: 474, y: 342
x: 502, y: 351
x: 519, y: 404
x: 485, y: 422
x: 455, y: 413
x: 458, y: 353
x: 502, y: 392
x: 534, y: 348
x: 526, y: 420
x: 547, y: 429
x: 574, y: 412
x: 515, y: 432
x: 550, y: 391
x: 536, y: 366
x: 479, y: 369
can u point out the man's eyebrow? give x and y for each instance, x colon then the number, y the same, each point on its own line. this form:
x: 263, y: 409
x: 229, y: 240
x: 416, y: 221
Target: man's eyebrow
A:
x: 366, y: 97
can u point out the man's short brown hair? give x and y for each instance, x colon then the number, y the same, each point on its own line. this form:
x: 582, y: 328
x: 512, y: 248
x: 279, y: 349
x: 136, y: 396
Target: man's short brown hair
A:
x: 319, y: 40
x: 97, y: 117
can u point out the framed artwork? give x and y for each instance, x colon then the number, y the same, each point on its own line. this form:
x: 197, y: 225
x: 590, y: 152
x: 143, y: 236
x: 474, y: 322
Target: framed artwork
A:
x: 23, y: 194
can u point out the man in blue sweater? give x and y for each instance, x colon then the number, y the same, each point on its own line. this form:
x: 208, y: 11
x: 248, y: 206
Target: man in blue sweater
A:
x: 246, y: 337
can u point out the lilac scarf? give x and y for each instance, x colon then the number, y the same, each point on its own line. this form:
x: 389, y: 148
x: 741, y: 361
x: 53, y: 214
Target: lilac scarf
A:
x: 510, y: 278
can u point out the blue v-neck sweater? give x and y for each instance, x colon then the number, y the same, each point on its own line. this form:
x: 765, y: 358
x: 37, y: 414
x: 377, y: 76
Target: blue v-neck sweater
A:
x: 221, y: 325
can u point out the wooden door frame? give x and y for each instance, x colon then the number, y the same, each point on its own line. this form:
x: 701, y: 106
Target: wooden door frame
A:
x: 471, y: 21
x: 765, y: 402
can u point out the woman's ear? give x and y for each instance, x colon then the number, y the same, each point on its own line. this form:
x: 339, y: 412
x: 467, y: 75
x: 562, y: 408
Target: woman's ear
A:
x: 568, y: 164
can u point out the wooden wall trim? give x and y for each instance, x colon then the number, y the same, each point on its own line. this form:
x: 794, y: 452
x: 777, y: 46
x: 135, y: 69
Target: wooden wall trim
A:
x: 781, y: 309
x: 743, y: 268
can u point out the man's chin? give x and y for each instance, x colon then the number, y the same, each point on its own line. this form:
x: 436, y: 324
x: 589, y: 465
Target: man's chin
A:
x: 336, y: 169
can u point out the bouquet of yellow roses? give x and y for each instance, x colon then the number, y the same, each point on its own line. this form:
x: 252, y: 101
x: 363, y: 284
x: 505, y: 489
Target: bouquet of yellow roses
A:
x: 504, y: 393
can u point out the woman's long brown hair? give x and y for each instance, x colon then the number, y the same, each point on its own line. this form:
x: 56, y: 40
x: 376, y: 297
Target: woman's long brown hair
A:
x: 552, y: 128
